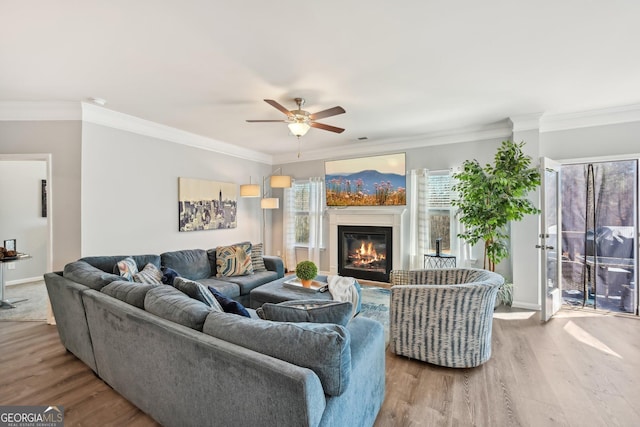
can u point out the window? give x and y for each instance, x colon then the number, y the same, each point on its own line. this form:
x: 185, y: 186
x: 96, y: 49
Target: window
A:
x: 301, y: 212
x: 440, y: 213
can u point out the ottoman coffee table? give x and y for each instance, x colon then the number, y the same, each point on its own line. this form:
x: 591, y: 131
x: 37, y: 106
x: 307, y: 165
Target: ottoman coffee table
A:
x: 275, y: 292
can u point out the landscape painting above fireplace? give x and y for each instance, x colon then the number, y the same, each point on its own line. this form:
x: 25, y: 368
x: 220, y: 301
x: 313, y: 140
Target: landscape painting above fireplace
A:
x: 366, y: 181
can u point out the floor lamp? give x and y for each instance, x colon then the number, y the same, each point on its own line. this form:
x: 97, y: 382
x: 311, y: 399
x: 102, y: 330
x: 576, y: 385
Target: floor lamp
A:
x: 276, y: 180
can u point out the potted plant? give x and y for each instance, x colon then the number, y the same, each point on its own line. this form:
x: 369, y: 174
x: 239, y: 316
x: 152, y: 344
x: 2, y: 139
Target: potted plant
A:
x: 306, y: 271
x: 490, y: 197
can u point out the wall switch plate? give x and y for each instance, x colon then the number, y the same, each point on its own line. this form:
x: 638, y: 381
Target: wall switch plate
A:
x: 11, y: 266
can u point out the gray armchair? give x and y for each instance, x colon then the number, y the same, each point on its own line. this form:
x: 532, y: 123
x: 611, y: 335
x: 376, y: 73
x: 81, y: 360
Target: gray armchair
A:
x: 443, y: 316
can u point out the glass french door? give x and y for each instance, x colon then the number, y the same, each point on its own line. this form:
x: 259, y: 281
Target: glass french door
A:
x: 549, y: 239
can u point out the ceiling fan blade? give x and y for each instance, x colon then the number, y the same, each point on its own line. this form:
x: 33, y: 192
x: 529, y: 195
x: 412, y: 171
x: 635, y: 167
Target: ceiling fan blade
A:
x: 275, y: 104
x: 327, y: 113
x: 326, y: 127
x: 260, y: 121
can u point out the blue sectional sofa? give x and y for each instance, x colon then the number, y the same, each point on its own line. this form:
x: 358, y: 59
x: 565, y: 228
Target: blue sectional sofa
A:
x: 186, y: 364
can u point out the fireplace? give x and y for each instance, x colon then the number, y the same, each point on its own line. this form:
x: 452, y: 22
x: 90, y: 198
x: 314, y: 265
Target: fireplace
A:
x: 365, y: 252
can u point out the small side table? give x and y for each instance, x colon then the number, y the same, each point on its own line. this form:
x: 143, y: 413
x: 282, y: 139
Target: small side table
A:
x: 6, y: 303
x: 439, y: 261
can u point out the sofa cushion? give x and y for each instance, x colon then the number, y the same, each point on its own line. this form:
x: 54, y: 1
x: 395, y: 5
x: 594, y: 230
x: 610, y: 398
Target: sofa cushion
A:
x: 229, y: 305
x: 257, y: 251
x: 196, y: 291
x: 234, y: 260
x: 323, y: 348
x: 315, y: 311
x: 129, y: 292
x: 88, y: 275
x: 149, y: 274
x: 127, y: 268
x: 171, y: 304
x: 250, y: 281
x: 190, y: 263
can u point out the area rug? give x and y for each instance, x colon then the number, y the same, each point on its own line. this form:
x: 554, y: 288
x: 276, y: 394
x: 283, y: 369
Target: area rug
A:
x: 375, y: 305
x: 33, y: 309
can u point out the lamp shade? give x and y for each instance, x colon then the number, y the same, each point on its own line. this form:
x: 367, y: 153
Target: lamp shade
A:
x: 299, y: 128
x: 250, y: 190
x: 280, y: 181
x: 270, y: 203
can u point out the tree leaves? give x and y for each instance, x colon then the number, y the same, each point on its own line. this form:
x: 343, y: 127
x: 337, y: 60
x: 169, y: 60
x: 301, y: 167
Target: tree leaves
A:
x: 490, y: 197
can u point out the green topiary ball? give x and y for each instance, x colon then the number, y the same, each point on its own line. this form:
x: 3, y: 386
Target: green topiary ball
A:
x: 306, y: 270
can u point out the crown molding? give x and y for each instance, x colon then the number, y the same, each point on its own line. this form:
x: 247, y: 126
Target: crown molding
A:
x: 34, y: 110
x: 526, y: 122
x: 582, y: 119
x: 105, y: 117
x: 496, y: 131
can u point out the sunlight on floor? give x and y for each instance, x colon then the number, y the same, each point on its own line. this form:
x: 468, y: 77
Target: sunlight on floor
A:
x: 513, y: 315
x: 585, y: 337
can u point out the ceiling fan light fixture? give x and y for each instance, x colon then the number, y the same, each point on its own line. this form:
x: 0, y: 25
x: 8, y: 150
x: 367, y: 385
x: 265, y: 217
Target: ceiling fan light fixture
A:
x: 299, y: 128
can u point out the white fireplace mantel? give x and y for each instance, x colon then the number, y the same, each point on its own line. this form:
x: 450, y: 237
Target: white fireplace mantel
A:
x: 383, y: 216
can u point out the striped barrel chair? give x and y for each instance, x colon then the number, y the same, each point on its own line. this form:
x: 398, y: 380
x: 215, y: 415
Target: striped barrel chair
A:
x: 443, y: 316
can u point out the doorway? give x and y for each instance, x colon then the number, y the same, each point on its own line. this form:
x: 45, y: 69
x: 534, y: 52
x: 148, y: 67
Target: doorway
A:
x: 599, y: 230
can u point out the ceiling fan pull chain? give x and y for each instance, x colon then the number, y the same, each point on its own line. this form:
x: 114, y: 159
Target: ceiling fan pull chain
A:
x: 298, y: 147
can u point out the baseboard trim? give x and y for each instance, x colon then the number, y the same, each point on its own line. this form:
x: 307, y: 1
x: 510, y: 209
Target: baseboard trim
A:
x: 22, y: 281
x: 525, y: 305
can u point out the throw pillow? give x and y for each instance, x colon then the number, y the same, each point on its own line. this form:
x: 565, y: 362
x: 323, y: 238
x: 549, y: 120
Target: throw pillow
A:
x: 168, y: 275
x: 234, y: 260
x: 257, y: 252
x: 314, y: 311
x: 149, y: 274
x: 196, y: 291
x: 229, y: 305
x: 127, y: 268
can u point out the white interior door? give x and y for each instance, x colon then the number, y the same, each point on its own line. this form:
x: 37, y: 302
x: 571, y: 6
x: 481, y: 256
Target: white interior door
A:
x: 550, y: 244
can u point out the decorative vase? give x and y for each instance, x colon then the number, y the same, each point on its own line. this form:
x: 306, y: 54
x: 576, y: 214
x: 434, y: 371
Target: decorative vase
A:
x: 306, y: 282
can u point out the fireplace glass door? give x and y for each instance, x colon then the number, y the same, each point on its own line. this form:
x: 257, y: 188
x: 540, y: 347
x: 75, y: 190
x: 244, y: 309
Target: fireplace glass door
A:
x: 364, y: 252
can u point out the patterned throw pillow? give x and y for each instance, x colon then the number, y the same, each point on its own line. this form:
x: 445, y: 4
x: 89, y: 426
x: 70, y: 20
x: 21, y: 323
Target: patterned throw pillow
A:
x: 256, y: 257
x: 149, y: 274
x: 234, y: 260
x: 196, y: 291
x: 127, y: 268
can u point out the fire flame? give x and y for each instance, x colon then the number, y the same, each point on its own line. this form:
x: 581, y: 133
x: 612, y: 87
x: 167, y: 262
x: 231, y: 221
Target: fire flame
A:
x: 366, y: 255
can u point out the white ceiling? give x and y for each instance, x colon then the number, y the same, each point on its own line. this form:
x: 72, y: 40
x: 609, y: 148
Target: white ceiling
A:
x: 401, y: 69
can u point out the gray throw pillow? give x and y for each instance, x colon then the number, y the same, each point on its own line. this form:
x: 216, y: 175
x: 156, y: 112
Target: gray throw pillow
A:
x: 197, y: 291
x: 313, y: 311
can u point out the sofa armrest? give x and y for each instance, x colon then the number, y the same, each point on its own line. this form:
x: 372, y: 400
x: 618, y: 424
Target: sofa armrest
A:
x: 274, y: 263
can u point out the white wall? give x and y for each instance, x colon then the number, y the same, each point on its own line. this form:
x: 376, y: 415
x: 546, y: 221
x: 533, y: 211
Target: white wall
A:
x: 130, y: 193
x: 21, y: 216
x: 62, y: 139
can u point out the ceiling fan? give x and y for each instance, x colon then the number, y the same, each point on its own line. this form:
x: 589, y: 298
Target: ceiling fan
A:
x: 300, y: 121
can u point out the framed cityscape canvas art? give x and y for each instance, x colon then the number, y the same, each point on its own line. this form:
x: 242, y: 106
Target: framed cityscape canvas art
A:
x: 366, y: 181
x: 206, y: 205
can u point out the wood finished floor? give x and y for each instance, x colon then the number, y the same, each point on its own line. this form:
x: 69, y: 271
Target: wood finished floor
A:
x: 580, y: 369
